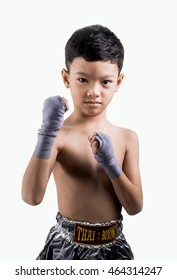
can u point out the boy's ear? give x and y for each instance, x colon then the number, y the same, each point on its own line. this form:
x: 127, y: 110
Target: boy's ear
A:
x: 119, y: 81
x: 65, y: 76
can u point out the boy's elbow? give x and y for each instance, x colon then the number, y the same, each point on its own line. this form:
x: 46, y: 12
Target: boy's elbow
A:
x: 136, y: 206
x: 135, y: 210
x: 33, y: 201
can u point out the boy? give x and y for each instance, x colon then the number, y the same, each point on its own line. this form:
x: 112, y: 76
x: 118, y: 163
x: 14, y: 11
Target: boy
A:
x: 94, y: 163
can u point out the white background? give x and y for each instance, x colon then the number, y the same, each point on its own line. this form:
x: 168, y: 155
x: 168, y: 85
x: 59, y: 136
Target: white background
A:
x: 33, y: 36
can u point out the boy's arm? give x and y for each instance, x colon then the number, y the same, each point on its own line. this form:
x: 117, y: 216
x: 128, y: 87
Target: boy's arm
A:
x: 41, y: 164
x: 128, y: 186
x: 36, y: 177
x: 126, y: 180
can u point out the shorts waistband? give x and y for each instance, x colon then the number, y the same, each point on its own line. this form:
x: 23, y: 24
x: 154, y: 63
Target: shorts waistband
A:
x: 85, y: 233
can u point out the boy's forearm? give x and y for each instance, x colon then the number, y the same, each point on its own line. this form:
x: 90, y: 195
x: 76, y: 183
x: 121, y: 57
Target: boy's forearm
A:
x: 41, y: 164
x: 130, y: 195
x: 53, y: 117
x: 35, y: 180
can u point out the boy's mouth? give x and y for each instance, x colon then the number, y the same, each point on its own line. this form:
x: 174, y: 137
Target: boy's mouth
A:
x: 92, y: 102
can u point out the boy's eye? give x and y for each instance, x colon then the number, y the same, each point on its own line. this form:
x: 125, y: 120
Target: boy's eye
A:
x: 106, y: 82
x: 82, y: 80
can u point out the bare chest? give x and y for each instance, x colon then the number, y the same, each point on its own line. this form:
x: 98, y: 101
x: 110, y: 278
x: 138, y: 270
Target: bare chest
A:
x: 76, y: 156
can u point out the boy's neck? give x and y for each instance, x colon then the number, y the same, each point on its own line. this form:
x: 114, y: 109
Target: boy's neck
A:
x: 87, y: 121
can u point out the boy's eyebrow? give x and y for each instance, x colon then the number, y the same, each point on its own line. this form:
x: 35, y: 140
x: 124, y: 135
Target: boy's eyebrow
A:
x: 80, y: 73
x: 103, y: 77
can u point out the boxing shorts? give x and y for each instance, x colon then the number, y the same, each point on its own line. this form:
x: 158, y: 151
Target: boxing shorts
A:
x: 76, y: 240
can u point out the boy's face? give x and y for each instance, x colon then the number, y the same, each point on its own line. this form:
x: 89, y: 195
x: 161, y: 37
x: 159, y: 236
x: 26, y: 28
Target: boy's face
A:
x: 92, y: 84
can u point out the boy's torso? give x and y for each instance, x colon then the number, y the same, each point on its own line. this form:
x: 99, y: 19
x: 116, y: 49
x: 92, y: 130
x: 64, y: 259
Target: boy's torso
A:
x: 84, y: 190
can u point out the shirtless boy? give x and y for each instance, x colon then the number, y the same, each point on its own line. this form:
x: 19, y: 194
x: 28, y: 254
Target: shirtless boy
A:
x: 95, y: 163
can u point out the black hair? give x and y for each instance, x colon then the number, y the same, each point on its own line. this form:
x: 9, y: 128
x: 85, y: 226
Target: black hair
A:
x: 94, y: 43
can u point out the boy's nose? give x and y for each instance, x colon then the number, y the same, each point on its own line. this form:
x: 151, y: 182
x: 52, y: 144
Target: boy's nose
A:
x: 93, y: 91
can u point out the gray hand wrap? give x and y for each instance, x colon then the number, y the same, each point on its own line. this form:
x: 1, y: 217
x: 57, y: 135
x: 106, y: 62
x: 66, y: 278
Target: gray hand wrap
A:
x: 53, y: 118
x: 105, y: 156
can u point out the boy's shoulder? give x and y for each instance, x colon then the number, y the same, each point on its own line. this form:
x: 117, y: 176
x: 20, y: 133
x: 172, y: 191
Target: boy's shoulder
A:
x: 125, y: 135
x: 124, y: 131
